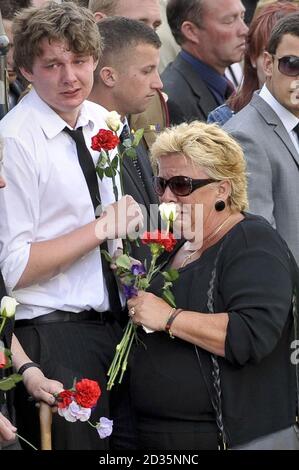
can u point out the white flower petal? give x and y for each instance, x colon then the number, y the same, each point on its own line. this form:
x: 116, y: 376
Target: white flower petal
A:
x: 8, y: 306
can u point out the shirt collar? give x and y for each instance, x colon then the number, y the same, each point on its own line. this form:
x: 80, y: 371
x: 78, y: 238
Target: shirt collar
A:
x: 210, y: 76
x: 288, y: 119
x: 51, y: 123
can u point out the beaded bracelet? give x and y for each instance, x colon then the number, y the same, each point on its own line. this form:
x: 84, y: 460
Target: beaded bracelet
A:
x: 173, y: 314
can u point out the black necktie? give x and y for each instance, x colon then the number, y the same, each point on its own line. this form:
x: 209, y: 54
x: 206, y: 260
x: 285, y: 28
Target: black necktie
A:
x: 88, y: 168
x: 296, y: 129
x: 126, y: 134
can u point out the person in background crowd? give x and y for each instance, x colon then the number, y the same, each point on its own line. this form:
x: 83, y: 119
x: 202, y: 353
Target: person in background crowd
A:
x: 155, y: 118
x: 125, y: 80
x: 254, y: 76
x: 217, y: 367
x: 267, y: 129
x: 212, y: 36
x: 16, y: 87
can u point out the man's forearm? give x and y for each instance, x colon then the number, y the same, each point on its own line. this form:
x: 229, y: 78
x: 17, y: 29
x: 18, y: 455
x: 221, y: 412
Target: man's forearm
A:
x: 51, y: 257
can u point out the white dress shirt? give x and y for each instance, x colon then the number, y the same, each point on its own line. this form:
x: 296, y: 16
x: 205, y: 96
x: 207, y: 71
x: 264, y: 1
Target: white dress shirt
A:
x: 46, y: 196
x: 288, y: 119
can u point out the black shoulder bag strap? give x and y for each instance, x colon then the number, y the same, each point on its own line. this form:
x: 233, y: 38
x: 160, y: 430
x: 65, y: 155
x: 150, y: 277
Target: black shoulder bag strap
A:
x: 216, y: 398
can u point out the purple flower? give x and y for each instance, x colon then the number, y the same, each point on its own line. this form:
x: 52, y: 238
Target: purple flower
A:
x: 130, y: 291
x: 104, y: 427
x: 138, y: 269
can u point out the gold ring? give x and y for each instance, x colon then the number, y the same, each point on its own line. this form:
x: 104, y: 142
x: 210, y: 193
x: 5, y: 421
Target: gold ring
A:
x: 132, y: 311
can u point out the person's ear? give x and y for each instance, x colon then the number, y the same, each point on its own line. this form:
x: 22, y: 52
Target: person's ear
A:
x: 108, y: 76
x: 27, y: 74
x: 268, y: 64
x: 223, y: 190
x: 99, y: 16
x: 191, y: 31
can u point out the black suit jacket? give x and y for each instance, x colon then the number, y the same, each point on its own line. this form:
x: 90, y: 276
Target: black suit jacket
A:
x: 188, y: 96
x: 143, y: 193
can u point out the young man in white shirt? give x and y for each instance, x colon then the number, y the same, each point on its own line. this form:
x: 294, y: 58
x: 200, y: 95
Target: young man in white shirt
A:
x: 49, y: 237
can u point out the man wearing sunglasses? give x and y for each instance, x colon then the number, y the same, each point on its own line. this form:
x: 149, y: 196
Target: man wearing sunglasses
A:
x: 268, y: 130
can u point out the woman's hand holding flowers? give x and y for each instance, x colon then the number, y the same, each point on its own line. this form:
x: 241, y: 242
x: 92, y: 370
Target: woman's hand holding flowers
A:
x: 149, y: 310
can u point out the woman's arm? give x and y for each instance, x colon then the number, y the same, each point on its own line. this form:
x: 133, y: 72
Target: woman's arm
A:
x: 205, y: 330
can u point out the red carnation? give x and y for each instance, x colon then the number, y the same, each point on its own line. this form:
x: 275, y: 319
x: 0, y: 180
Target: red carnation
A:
x: 87, y: 393
x: 65, y: 398
x: 104, y: 140
x: 165, y: 240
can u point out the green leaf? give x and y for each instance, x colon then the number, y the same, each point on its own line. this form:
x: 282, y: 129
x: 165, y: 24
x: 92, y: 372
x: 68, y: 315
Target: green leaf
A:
x: 169, y: 297
x: 114, y: 163
x: 100, y: 172
x: 109, y: 172
x: 127, y: 143
x: 107, y: 256
x: 131, y: 152
x: 143, y: 283
x: 10, y: 382
x: 170, y: 275
x: 137, y: 137
x: 123, y: 261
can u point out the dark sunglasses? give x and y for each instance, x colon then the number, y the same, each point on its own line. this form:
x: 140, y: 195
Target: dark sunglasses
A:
x: 179, y: 185
x: 288, y: 65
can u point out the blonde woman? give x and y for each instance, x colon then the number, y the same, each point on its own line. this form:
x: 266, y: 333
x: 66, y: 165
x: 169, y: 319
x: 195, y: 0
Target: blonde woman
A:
x: 226, y: 376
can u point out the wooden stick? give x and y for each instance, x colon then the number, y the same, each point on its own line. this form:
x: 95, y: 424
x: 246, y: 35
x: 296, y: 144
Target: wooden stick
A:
x: 45, y: 419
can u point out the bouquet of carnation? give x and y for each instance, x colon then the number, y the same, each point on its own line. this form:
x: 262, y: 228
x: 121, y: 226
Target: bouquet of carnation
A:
x: 135, y: 276
x: 76, y: 404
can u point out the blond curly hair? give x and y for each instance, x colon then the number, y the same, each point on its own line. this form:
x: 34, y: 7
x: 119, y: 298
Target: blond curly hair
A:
x: 209, y: 147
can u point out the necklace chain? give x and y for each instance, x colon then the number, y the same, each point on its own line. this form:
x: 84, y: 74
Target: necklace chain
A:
x: 210, y: 237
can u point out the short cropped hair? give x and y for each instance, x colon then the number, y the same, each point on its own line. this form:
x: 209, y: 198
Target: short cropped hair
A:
x: 119, y: 36
x: 108, y: 7
x: 55, y: 22
x: 179, y: 11
x: 287, y: 25
x: 210, y: 148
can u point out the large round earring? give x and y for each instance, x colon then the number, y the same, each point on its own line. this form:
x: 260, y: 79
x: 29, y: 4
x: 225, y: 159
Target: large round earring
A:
x: 219, y: 206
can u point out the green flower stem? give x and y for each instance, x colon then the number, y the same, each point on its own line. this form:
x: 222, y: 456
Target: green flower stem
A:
x: 119, y: 362
x: 92, y: 425
x: 152, y: 269
x: 121, y: 355
x: 2, y: 324
x: 125, y: 361
x: 115, y: 190
x: 27, y: 442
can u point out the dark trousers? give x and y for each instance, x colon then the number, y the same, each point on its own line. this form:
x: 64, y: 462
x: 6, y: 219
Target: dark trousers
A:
x: 68, y: 351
